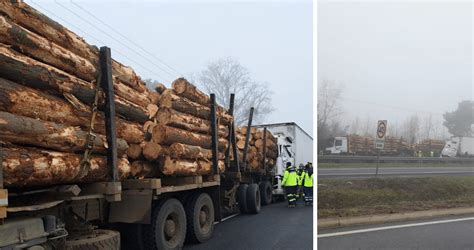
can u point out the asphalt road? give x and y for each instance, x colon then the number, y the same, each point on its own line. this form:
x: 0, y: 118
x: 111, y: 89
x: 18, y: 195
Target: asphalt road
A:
x: 445, y: 235
x: 395, y: 172
x: 276, y: 227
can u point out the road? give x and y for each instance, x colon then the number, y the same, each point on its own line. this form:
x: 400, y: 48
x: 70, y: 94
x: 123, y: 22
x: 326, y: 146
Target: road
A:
x: 445, y: 233
x: 394, y: 172
x: 276, y: 227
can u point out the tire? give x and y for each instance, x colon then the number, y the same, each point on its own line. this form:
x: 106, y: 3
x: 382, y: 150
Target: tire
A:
x: 253, y: 199
x: 99, y: 239
x: 168, y: 226
x: 266, y: 193
x: 242, y: 198
x: 200, y: 218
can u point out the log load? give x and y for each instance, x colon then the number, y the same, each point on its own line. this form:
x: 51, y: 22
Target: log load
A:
x: 175, y: 167
x: 21, y: 100
x: 166, y: 135
x: 255, y: 151
x: 34, y: 167
x: 187, y: 122
x: 27, y: 131
x: 31, y: 19
x: 169, y: 99
x: 22, y: 69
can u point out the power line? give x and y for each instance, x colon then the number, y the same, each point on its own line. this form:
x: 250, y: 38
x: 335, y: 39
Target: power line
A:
x: 113, y: 38
x: 126, y: 38
x: 100, y: 41
x: 391, y: 107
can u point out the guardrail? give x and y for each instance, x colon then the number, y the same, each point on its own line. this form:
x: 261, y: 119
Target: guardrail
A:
x: 391, y: 159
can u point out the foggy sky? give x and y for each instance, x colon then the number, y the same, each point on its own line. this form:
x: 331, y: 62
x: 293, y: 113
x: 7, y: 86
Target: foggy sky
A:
x: 272, y: 39
x: 397, y: 59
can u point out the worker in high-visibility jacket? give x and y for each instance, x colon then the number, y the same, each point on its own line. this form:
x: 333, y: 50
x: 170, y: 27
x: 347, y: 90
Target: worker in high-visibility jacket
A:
x: 299, y: 174
x: 290, y: 182
x: 307, y: 183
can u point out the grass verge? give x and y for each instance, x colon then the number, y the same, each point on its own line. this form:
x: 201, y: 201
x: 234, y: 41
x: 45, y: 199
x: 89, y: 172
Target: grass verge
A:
x: 344, y: 198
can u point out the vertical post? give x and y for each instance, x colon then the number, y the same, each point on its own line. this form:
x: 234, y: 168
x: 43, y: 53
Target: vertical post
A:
x: 378, y: 162
x: 107, y: 85
x: 247, y: 138
x: 214, y: 136
x: 1, y: 167
x: 231, y: 127
x: 264, y: 163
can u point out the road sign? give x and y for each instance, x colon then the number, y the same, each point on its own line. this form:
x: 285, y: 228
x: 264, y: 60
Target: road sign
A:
x: 381, y: 132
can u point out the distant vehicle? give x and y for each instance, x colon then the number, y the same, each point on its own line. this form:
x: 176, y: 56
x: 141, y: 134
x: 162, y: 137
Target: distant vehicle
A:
x: 459, y: 147
x: 294, y: 145
x: 365, y: 145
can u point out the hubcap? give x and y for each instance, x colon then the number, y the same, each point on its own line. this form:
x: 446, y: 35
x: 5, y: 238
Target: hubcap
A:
x: 202, y: 217
x: 170, y: 228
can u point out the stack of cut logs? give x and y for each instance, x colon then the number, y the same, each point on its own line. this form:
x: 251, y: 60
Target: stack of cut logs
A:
x: 256, y: 147
x: 47, y: 85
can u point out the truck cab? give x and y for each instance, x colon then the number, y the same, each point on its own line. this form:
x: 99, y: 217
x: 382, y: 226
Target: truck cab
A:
x: 450, y: 148
x: 339, y: 146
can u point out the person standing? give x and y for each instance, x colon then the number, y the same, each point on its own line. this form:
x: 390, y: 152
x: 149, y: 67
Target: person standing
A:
x: 308, y: 185
x: 290, y: 182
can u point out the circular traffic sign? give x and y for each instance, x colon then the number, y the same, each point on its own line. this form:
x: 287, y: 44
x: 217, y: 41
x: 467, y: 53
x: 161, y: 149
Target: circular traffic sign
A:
x: 381, y: 129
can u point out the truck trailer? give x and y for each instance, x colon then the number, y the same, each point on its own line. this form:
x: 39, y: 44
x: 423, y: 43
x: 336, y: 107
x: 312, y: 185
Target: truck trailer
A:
x: 459, y: 147
x: 294, y: 145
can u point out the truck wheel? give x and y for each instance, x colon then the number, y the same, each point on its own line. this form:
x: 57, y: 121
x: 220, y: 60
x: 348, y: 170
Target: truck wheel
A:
x: 253, y: 198
x: 266, y: 193
x: 168, y: 226
x: 242, y: 198
x: 200, y: 218
x: 99, y: 239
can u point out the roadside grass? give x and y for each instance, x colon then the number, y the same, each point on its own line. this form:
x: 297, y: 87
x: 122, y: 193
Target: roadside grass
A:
x: 344, y: 198
x: 391, y: 165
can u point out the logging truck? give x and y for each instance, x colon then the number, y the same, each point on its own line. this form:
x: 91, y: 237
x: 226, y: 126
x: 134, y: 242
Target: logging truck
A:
x: 92, y: 159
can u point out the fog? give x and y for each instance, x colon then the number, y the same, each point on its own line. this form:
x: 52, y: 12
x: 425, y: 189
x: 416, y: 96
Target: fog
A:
x: 397, y: 59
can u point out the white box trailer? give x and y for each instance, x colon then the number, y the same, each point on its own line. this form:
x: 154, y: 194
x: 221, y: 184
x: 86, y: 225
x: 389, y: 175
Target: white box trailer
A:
x: 459, y: 146
x: 294, y: 145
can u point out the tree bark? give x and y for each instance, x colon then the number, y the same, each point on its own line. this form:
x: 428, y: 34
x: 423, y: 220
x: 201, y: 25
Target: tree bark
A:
x: 27, y: 131
x: 183, y: 151
x: 170, y: 166
x: 134, y: 151
x: 152, y: 150
x: 188, y: 122
x: 160, y: 87
x: 18, y: 99
x: 143, y: 169
x: 35, y: 74
x: 169, y: 100
x: 23, y: 167
x: 184, y: 88
x: 166, y: 135
x: 35, y: 21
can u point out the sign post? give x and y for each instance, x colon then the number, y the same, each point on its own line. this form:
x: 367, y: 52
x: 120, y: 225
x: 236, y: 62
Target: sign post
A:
x: 380, y: 141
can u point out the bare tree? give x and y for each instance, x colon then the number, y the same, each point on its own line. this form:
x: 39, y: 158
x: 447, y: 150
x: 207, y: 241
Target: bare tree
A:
x: 329, y: 109
x: 411, y: 129
x: 225, y: 76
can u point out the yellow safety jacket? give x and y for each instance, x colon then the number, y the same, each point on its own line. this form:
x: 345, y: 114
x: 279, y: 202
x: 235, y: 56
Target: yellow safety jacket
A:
x: 308, y: 180
x: 290, y: 178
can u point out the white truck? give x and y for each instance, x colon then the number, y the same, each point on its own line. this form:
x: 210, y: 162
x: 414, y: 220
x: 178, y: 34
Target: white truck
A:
x: 294, y: 145
x: 459, y: 146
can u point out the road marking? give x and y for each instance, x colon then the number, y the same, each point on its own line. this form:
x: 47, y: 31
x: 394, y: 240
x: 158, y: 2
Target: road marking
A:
x: 399, y: 173
x: 226, y: 218
x: 393, y: 227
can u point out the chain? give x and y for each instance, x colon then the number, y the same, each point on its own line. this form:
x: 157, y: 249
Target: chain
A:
x: 89, y: 146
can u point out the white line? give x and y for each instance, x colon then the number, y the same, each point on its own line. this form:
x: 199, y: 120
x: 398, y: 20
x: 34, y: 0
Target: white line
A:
x: 393, y: 227
x: 226, y: 218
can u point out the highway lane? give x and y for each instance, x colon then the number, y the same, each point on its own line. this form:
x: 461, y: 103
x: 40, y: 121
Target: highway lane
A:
x: 276, y: 227
x: 395, y: 172
x: 444, y: 233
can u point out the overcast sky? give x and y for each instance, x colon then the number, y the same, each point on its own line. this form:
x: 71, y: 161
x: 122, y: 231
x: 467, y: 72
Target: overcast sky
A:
x: 397, y: 59
x: 272, y: 39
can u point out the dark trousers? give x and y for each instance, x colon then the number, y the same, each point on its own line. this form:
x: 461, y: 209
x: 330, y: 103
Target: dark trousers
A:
x: 291, y: 194
x: 308, y: 194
